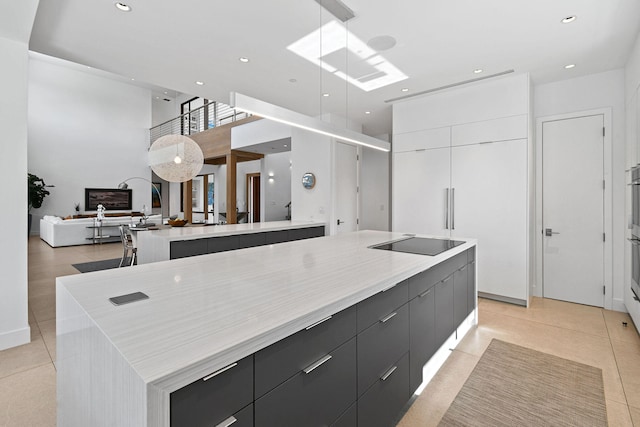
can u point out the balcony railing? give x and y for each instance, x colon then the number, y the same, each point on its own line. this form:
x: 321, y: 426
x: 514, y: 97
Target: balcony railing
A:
x: 202, y: 118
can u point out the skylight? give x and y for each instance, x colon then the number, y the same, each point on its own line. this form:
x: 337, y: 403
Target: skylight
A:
x: 327, y: 46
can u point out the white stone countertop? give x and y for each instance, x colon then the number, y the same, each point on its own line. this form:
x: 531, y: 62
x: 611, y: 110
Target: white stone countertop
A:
x: 206, y: 312
x: 198, y: 231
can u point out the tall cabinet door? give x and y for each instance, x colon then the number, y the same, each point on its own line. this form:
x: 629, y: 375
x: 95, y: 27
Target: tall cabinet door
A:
x: 420, y: 191
x: 489, y: 182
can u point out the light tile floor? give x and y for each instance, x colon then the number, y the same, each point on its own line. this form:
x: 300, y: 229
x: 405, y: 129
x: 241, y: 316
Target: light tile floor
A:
x: 585, y: 334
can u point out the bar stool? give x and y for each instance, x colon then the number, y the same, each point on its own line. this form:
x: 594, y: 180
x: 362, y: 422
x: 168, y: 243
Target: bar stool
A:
x: 129, y: 251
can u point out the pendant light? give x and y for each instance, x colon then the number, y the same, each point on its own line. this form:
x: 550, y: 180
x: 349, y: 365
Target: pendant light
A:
x: 175, y: 158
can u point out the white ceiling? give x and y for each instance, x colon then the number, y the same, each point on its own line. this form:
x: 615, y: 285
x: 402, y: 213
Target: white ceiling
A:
x: 172, y: 44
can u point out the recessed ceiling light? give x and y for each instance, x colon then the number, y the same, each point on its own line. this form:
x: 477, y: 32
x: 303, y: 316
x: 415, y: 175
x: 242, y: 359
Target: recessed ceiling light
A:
x: 325, y: 94
x: 157, y: 97
x: 569, y: 19
x: 285, y: 145
x: 367, y: 112
x: 166, y: 93
x: 199, y: 83
x: 244, y: 59
x: 123, y: 7
x: 569, y: 66
x: 132, y: 79
x: 404, y: 89
x: 293, y: 80
x: 478, y: 70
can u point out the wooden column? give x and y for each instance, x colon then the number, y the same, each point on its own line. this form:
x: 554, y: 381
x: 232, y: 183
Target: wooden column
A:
x: 232, y: 217
x: 205, y: 196
x: 187, y: 201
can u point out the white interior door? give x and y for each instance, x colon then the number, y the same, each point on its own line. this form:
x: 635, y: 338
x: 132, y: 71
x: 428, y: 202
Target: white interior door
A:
x: 346, y: 187
x: 421, y: 181
x: 489, y: 183
x: 573, y: 209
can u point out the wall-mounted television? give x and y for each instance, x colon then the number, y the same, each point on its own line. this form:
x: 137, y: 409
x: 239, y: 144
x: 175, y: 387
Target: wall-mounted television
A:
x: 110, y: 198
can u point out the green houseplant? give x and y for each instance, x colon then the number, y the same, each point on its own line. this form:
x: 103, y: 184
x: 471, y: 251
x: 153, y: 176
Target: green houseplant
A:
x: 37, y: 192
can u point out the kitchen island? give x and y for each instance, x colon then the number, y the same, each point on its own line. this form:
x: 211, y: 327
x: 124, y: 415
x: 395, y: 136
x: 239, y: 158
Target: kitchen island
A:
x: 180, y: 242
x: 256, y: 330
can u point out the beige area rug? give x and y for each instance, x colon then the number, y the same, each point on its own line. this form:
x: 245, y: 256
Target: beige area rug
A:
x: 517, y: 386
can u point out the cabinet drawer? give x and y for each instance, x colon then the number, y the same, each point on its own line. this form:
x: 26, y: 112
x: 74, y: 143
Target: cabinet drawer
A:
x: 242, y: 418
x: 374, y: 308
x: 349, y: 418
x: 272, y: 237
x: 471, y: 254
x: 444, y: 310
x: 211, y: 400
x: 471, y: 286
x: 223, y: 243
x: 383, y: 402
x: 423, y: 281
x: 316, y: 398
x: 460, y: 295
x: 315, y: 231
x: 187, y: 248
x: 380, y: 345
x: 422, y: 331
x: 279, y: 361
x: 250, y: 240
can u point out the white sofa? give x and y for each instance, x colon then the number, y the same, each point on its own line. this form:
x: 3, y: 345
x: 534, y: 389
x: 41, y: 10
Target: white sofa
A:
x: 69, y: 232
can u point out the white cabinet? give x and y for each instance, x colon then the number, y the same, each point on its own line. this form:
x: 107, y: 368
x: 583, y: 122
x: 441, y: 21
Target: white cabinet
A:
x: 421, y: 180
x: 489, y: 203
x: 502, y: 129
x: 424, y: 139
x: 477, y: 184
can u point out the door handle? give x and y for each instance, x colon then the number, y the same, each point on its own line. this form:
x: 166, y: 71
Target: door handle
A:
x: 340, y: 222
x: 548, y: 232
x: 453, y: 208
x: 446, y: 210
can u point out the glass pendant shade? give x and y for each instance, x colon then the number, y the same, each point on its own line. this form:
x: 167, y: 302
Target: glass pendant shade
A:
x: 175, y: 158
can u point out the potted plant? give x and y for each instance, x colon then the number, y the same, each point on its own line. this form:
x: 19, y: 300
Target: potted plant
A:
x: 37, y: 193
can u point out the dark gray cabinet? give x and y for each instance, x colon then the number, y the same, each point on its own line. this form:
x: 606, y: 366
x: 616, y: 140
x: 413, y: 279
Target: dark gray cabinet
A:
x: 316, y: 396
x: 214, y: 398
x: 251, y: 240
x: 422, y: 329
x: 471, y: 271
x: 444, y: 309
x: 273, y: 237
x: 381, y: 304
x: 380, y: 406
x: 187, y: 248
x: 349, y: 418
x: 358, y: 367
x: 222, y: 244
x: 380, y: 345
x: 460, y: 294
x: 278, y: 362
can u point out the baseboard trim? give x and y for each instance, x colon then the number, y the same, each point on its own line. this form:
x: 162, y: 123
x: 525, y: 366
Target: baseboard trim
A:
x: 618, y: 305
x: 500, y: 298
x: 15, y: 338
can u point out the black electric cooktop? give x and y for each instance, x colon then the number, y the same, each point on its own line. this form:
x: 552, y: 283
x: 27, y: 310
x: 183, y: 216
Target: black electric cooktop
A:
x: 419, y: 245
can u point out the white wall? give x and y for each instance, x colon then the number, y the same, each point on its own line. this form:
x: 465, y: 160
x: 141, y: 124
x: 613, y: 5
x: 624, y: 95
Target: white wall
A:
x: 14, y: 326
x: 85, y: 131
x: 220, y: 189
x: 588, y: 93
x: 276, y: 192
x: 374, y: 190
x: 311, y: 152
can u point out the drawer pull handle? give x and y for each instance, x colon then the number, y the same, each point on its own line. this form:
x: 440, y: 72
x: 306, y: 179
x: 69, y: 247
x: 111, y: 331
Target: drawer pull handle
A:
x: 219, y: 371
x: 388, y: 317
x: 388, y: 373
x: 390, y: 287
x: 228, y: 422
x: 425, y: 293
x: 317, y: 323
x: 316, y: 364
x: 462, y: 268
